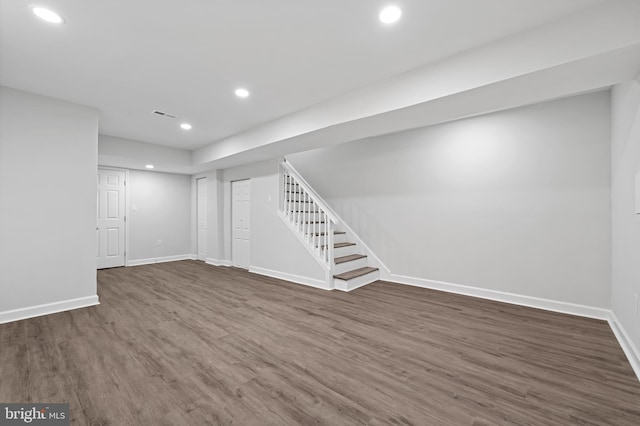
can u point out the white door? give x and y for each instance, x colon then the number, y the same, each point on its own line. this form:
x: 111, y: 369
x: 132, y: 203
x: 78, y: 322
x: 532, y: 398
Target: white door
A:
x: 240, y: 222
x: 111, y: 218
x: 202, y: 218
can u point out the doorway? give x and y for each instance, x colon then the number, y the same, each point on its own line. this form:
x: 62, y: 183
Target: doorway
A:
x: 110, y: 226
x: 241, y: 223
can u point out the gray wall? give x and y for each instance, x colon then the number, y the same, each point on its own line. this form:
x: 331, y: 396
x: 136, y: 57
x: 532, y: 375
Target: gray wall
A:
x: 626, y: 223
x: 160, y: 209
x: 516, y: 201
x: 48, y: 161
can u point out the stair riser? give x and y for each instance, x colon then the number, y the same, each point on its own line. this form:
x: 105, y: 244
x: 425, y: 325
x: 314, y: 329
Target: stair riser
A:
x: 345, y: 251
x: 356, y: 282
x: 350, y: 266
x: 339, y: 238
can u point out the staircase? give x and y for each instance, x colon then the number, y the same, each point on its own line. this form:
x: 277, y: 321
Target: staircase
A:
x: 319, y: 229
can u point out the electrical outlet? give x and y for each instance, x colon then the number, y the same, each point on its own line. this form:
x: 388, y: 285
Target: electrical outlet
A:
x: 159, y: 243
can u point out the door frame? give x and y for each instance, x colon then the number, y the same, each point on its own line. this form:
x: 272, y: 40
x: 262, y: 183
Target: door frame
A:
x: 231, y: 260
x: 198, y: 218
x: 127, y: 203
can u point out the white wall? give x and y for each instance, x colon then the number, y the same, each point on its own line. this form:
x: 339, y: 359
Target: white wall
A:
x: 160, y: 209
x: 132, y: 154
x: 48, y: 152
x: 275, y: 250
x: 515, y: 201
x: 625, y: 162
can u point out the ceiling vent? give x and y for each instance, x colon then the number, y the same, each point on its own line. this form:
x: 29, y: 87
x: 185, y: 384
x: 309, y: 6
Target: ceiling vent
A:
x: 164, y: 114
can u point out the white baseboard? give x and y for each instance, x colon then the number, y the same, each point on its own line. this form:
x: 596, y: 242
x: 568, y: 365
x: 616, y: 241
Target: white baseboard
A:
x: 216, y: 262
x: 499, y: 296
x: 47, y: 308
x: 627, y: 345
x: 139, y: 262
x: 630, y: 350
x: 311, y: 282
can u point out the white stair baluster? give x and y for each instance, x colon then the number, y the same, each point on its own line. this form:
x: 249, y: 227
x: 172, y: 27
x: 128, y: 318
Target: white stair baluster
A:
x: 295, y: 197
x: 316, y: 231
x: 309, y: 224
x: 305, y: 232
x: 313, y: 228
x: 331, y: 239
x: 291, y: 201
x: 300, y: 209
x: 286, y: 195
x: 323, y: 219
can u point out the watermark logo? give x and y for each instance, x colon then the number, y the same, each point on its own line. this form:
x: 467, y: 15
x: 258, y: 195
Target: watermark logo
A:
x: 34, y: 414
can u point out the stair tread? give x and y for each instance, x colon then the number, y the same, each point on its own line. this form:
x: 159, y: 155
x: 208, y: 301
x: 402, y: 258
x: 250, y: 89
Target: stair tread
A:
x: 334, y: 233
x: 339, y: 245
x: 346, y: 276
x: 349, y: 258
x: 347, y: 244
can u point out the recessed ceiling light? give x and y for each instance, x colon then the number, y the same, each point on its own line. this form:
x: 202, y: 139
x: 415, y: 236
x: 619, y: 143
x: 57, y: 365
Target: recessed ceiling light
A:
x: 242, y: 93
x: 47, y: 15
x: 185, y: 126
x: 149, y: 166
x: 390, y: 14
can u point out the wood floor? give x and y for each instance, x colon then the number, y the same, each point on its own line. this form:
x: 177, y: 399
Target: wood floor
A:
x: 185, y: 343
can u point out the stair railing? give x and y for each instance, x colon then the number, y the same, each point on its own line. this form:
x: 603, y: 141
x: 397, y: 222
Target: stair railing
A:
x: 307, y: 214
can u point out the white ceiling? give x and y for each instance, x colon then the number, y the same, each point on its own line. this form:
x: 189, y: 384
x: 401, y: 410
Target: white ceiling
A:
x: 128, y: 58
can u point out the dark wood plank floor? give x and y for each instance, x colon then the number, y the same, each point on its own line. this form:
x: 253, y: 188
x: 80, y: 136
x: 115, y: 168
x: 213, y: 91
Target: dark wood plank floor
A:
x: 184, y: 343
